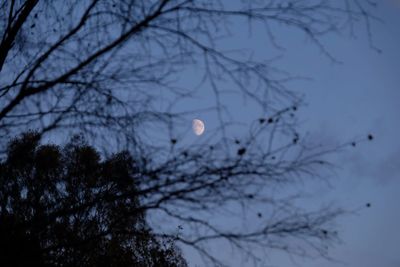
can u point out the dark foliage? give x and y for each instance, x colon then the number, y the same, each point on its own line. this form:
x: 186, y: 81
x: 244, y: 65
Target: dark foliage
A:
x: 64, y: 206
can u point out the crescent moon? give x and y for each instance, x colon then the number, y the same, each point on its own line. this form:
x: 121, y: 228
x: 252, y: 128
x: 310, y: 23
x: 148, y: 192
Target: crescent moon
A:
x: 198, y: 127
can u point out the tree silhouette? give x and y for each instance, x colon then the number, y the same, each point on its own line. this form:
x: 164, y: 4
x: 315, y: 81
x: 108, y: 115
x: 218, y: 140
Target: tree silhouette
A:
x: 66, y: 207
x: 92, y: 65
x: 113, y: 70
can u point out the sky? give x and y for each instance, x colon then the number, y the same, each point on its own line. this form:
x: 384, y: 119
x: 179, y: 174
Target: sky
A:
x: 360, y: 95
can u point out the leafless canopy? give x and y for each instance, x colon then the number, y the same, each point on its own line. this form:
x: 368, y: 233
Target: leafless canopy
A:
x: 103, y: 67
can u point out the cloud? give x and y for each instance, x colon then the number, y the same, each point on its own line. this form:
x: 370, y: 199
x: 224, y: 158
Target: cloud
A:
x: 388, y: 168
x: 381, y: 168
x: 394, y: 2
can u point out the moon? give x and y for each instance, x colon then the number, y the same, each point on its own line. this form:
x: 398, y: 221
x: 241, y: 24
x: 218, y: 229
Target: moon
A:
x: 198, y: 127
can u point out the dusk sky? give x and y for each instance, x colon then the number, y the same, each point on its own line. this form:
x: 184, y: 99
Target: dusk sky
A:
x: 360, y: 96
x: 254, y: 129
x: 348, y: 100
x: 344, y: 101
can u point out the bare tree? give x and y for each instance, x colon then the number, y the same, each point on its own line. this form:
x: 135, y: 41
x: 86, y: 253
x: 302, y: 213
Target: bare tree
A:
x: 103, y: 67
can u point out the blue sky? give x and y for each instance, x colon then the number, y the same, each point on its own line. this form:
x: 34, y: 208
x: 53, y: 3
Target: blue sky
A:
x: 363, y: 95
x: 359, y: 96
